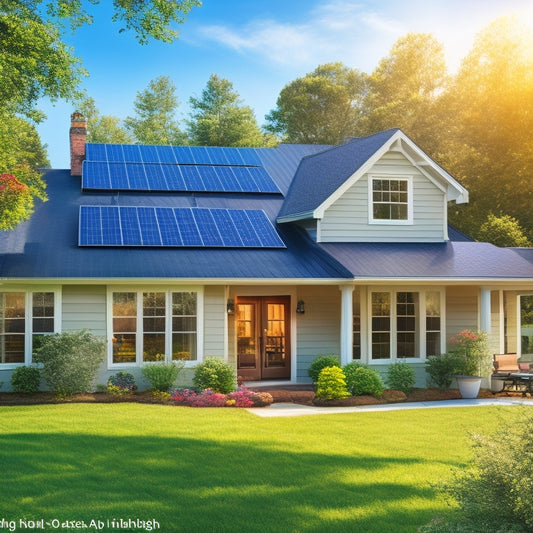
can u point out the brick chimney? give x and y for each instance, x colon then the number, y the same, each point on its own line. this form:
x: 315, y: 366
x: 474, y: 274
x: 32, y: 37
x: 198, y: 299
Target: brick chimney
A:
x: 78, y: 135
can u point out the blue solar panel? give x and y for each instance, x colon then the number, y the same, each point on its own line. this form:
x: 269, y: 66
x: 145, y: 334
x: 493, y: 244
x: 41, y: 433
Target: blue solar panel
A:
x: 200, y: 155
x: 156, y: 178
x: 233, y: 156
x: 114, y: 153
x: 250, y: 157
x: 137, y: 177
x: 166, y: 154
x: 262, y: 180
x: 216, y: 154
x: 192, y: 179
x: 183, y: 155
x: 209, y: 176
x: 119, y: 177
x: 173, y: 178
x: 95, y: 152
x: 149, y: 153
x: 132, y: 153
x: 176, y: 227
x: 227, y: 178
x: 245, y: 179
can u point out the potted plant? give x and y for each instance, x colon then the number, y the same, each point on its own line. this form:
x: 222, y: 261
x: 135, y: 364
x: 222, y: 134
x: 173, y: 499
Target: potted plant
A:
x: 473, y: 360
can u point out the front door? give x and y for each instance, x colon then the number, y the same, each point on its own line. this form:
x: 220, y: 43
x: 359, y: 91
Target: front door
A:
x: 263, y: 337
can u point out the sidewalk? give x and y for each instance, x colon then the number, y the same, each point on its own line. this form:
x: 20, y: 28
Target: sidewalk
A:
x: 292, y: 409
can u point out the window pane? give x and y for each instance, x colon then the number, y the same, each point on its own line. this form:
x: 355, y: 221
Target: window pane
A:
x: 43, y: 304
x: 184, y: 346
x: 124, y: 348
x: 43, y: 325
x: 124, y: 304
x: 407, y: 329
x: 12, y: 327
x: 124, y: 327
x: 390, y: 199
x: 433, y: 323
x: 154, y: 308
x: 381, y: 322
x: 154, y: 347
x: 184, y: 326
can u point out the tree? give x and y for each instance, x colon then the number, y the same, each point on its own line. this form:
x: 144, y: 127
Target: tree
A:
x: 323, y: 107
x: 219, y: 118
x: 155, y: 109
x: 35, y: 62
x: 21, y: 153
x: 404, y: 89
x: 490, y: 114
x: 503, y: 231
x: 102, y: 128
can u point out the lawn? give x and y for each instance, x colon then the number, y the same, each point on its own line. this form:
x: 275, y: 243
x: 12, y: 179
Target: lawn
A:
x: 227, y: 470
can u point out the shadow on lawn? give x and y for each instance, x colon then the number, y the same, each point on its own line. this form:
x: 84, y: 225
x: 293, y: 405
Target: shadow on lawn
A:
x: 190, y: 485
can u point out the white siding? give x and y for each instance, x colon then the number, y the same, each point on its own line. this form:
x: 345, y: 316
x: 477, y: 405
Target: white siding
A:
x: 461, y: 309
x: 84, y: 307
x: 347, y: 219
x: 214, y: 321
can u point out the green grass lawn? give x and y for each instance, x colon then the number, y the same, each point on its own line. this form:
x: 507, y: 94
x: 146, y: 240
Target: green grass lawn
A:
x: 227, y: 470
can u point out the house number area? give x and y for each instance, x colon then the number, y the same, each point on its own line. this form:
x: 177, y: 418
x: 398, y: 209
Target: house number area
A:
x: 108, y: 524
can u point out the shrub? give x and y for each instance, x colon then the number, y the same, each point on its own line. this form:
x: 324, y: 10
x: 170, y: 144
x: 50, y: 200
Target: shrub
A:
x: 183, y: 396
x: 331, y: 384
x: 121, y: 383
x: 70, y: 361
x: 162, y: 375
x: 26, y: 379
x: 322, y: 361
x: 239, y: 398
x: 208, y: 398
x: 472, y: 352
x: 401, y: 376
x: 494, y: 493
x: 215, y: 374
x: 365, y: 381
x: 441, y: 370
x: 349, y: 370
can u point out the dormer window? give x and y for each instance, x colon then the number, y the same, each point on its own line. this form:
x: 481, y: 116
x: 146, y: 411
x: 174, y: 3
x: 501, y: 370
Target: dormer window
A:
x: 392, y: 200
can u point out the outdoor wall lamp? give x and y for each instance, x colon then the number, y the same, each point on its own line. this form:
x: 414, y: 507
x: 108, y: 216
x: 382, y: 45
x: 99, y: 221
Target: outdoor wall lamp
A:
x: 230, y: 307
x: 300, y: 307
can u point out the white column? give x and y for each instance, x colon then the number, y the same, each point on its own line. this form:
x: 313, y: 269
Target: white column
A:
x: 346, y: 323
x: 485, y: 310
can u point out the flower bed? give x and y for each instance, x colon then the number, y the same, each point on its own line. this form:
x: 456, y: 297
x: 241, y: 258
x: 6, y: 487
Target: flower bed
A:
x: 208, y: 398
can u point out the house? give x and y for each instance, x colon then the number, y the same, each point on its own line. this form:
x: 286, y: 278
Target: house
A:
x: 265, y: 257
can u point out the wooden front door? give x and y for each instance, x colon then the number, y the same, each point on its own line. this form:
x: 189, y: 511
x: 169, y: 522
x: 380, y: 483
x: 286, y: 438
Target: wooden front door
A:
x: 263, y: 337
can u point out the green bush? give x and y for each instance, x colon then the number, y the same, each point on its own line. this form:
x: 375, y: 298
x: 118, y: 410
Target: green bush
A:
x: 70, y: 361
x: 162, y: 375
x: 365, y: 381
x: 441, y: 370
x: 331, y: 384
x: 401, y: 376
x: 215, y: 374
x: 26, y: 379
x: 121, y: 383
x: 322, y: 361
x: 496, y: 492
x: 349, y: 370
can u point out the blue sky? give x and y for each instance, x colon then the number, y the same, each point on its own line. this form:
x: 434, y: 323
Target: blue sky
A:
x: 260, y: 46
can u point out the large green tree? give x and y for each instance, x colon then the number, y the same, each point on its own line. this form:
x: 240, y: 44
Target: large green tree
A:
x: 485, y: 141
x: 219, y: 117
x: 155, y: 111
x: 404, y: 89
x: 102, y: 128
x: 323, y: 107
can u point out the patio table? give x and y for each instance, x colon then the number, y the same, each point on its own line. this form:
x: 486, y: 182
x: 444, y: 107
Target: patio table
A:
x: 519, y: 381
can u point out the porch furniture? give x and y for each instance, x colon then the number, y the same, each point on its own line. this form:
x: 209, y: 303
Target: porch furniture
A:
x: 519, y: 382
x: 505, y: 363
x: 509, y: 375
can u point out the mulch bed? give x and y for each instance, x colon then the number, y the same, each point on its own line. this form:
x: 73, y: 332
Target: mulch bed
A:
x: 304, y: 397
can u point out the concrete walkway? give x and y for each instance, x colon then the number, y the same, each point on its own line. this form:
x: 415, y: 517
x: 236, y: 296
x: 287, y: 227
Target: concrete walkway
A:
x: 293, y: 409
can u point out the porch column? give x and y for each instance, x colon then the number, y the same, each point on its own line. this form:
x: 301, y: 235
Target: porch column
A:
x: 346, y: 323
x: 485, y: 310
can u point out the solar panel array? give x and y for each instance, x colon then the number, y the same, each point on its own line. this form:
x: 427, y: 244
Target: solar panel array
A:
x: 175, y: 168
x: 176, y: 227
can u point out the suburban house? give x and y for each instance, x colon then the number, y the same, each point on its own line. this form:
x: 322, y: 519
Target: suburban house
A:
x: 265, y: 257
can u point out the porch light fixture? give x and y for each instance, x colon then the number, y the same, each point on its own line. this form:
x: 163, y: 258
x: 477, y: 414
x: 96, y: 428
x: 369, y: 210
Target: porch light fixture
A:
x: 300, y: 307
x: 230, y: 306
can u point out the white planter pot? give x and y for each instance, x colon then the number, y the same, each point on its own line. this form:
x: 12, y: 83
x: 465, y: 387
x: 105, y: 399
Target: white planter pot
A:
x: 468, y: 386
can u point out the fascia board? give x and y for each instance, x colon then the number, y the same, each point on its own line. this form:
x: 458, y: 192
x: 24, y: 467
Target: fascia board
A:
x: 362, y: 170
x: 295, y: 217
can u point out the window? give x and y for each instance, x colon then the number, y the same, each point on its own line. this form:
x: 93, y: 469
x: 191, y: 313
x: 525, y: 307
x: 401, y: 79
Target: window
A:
x: 154, y: 326
x: 391, y: 200
x: 405, y: 324
x: 24, y: 318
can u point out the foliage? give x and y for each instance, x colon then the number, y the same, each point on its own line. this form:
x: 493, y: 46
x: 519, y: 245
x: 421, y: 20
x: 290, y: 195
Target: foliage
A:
x: 331, y: 384
x: 215, y: 374
x: 121, y: 383
x: 320, y: 108
x: 471, y: 353
x: 219, y: 118
x: 349, y: 370
x: 442, y: 369
x: 162, y: 375
x: 26, y: 379
x: 401, y: 376
x: 365, y: 381
x: 155, y: 109
x: 70, y: 361
x: 102, y: 128
x: 502, y: 231
x: 322, y: 361
x: 495, y: 492
x: 161, y: 396
x: 242, y: 397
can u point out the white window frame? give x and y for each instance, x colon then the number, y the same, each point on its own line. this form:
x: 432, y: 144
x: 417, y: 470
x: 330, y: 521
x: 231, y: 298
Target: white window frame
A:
x: 388, y: 177
x: 421, y: 318
x: 28, y: 319
x: 168, y: 324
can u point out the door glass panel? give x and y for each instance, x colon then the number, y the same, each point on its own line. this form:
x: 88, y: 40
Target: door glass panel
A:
x: 246, y: 338
x: 526, y: 327
x: 275, y: 336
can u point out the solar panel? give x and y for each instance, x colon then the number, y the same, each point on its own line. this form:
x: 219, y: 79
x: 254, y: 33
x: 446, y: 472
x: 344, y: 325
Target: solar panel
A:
x: 176, y: 227
x: 132, y: 153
